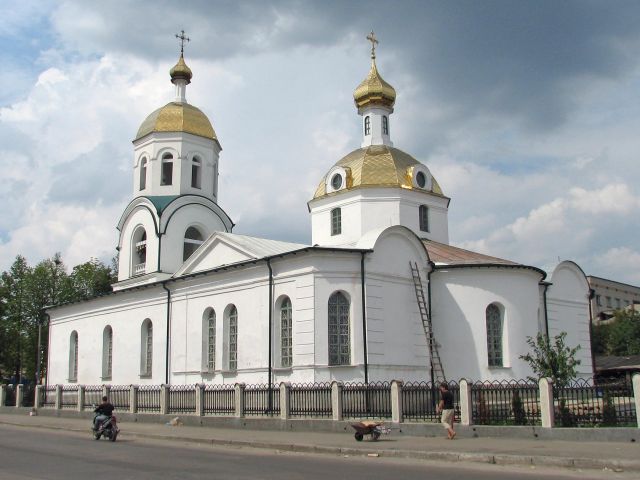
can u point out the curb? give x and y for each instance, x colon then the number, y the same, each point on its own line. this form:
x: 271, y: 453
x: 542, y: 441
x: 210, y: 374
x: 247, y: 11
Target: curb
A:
x: 464, y: 457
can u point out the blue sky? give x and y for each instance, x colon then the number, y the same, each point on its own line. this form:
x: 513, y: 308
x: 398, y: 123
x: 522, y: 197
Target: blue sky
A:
x: 527, y: 114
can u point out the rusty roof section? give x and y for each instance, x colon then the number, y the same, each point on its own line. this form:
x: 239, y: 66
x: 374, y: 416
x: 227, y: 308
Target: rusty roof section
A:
x: 450, y: 255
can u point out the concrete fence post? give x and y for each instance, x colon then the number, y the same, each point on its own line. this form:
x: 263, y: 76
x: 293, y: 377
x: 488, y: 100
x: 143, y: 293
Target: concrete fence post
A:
x: 636, y: 395
x: 133, y: 399
x: 164, y: 399
x: 336, y: 400
x: 3, y: 395
x: 239, y: 391
x: 38, y: 397
x: 200, y: 399
x: 19, y: 394
x: 106, y: 391
x: 80, y: 398
x: 285, y: 400
x: 58, y: 397
x: 396, y: 401
x: 546, y: 402
x: 466, y: 403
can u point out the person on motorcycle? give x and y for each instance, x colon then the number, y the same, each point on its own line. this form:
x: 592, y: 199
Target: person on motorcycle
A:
x: 102, y: 411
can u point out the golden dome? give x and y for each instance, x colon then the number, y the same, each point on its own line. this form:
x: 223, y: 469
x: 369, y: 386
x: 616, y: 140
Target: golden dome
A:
x: 378, y: 166
x: 178, y: 117
x: 180, y: 71
x: 374, y: 90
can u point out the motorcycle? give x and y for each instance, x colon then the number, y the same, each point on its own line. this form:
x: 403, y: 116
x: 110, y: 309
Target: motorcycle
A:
x: 107, y: 428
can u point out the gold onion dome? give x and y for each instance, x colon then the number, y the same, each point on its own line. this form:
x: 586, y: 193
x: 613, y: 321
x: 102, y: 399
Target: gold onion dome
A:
x: 377, y: 166
x: 181, y: 71
x: 373, y: 90
x: 178, y: 117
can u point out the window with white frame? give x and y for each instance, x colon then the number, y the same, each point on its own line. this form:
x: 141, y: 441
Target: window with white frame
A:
x: 385, y: 125
x: 336, y: 221
x: 232, y: 320
x: 423, y: 213
x: 166, y: 177
x: 143, y: 173
x: 73, y: 357
x: 146, y: 349
x: 339, y: 330
x: 209, y: 334
x: 286, y: 337
x: 196, y: 172
x: 107, y: 352
x: 192, y: 240
x: 367, y: 125
x: 494, y: 335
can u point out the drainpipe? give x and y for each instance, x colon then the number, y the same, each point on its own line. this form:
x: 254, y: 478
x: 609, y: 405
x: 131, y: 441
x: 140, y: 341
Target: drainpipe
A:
x: 592, y: 294
x: 166, y: 365
x: 431, y: 270
x: 546, y: 314
x: 270, y: 331
x: 46, y: 378
x: 364, y: 319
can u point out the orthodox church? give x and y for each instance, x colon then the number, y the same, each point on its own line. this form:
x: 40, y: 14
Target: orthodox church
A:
x: 380, y: 294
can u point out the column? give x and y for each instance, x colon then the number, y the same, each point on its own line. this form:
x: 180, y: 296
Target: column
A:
x: 466, y: 403
x: 239, y: 388
x: 80, y: 397
x: 3, y: 395
x: 636, y: 395
x: 58, y: 397
x: 200, y: 399
x: 164, y: 399
x: 396, y: 401
x: 37, y: 398
x: 546, y: 402
x: 336, y: 400
x: 285, y: 400
x: 19, y: 394
x: 133, y: 399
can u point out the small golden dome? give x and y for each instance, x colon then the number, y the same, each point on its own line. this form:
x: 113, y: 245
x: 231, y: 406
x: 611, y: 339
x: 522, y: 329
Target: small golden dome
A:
x: 178, y: 117
x: 180, y: 71
x: 378, y: 166
x: 374, y: 90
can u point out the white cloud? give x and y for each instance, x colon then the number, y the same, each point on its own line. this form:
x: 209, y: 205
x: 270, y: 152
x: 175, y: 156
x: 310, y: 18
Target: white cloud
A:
x: 616, y: 198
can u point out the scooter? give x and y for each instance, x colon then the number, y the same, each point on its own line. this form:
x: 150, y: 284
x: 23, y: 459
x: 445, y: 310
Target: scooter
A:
x: 107, y: 428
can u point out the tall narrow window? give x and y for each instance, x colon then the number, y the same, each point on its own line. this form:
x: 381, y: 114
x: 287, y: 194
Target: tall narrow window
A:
x: 385, y: 125
x: 494, y: 335
x: 143, y: 173
x: 196, y: 170
x: 139, y: 252
x: 367, y: 125
x: 336, y: 221
x: 73, y: 357
x: 339, y: 331
x: 146, y: 349
x: 192, y: 240
x: 286, y: 343
x: 424, y: 218
x: 209, y: 334
x: 167, y: 169
x: 232, y: 320
x: 107, y: 352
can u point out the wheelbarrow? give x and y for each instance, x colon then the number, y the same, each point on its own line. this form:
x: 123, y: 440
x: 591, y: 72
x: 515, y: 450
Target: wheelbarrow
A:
x: 369, y: 427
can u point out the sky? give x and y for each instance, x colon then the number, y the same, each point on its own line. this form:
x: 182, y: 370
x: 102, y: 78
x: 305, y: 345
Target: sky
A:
x: 527, y: 114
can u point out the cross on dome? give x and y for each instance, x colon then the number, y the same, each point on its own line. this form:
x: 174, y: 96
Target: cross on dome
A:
x: 372, y: 38
x: 183, y: 38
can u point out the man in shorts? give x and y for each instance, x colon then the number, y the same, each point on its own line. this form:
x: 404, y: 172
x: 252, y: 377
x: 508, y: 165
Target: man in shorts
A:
x: 446, y: 408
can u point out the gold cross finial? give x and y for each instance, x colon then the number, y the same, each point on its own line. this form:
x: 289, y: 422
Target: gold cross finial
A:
x: 182, y: 39
x: 372, y: 38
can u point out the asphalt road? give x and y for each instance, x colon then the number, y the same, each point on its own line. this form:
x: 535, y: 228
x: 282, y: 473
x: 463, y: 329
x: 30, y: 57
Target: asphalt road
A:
x: 29, y: 453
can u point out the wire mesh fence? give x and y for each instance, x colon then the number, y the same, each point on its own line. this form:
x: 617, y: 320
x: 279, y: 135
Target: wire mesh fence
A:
x: 219, y: 399
x: 505, y: 402
x: 361, y: 400
x: 262, y: 400
x: 182, y: 399
x: 310, y: 400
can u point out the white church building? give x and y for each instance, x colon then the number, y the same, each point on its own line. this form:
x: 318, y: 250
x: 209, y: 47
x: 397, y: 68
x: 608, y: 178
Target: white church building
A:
x: 378, y: 295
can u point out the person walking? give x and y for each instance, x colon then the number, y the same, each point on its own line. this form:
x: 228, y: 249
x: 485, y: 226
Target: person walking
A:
x: 445, y: 407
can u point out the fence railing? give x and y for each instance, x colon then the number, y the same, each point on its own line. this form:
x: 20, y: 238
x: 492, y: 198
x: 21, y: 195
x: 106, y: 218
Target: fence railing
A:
x: 505, y: 403
x: 582, y: 403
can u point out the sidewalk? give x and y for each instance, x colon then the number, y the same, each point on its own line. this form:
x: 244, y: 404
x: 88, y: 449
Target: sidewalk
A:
x: 505, y: 451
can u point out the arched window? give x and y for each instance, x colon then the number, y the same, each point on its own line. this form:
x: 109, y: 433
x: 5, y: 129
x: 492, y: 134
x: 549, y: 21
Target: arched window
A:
x: 139, y: 251
x: 385, y: 125
x: 107, y: 352
x: 167, y: 169
x: 286, y: 337
x: 146, y: 349
x: 196, y: 171
x: 424, y: 218
x: 232, y: 338
x: 339, y: 330
x: 192, y: 240
x: 336, y: 221
x: 367, y: 125
x: 494, y: 335
x: 73, y: 357
x: 143, y: 173
x: 209, y: 336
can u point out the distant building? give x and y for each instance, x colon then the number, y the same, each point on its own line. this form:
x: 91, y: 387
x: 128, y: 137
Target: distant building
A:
x: 609, y: 296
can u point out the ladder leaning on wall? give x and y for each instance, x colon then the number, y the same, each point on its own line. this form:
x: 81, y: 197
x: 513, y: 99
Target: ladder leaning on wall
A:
x: 427, y: 326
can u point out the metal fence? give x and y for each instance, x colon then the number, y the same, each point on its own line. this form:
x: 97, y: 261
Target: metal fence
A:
x: 584, y: 403
x: 310, y: 400
x: 28, y: 395
x: 262, y: 400
x: 505, y: 403
x: 48, y: 396
x: 10, y: 396
x: 120, y: 397
x: 420, y: 401
x: 182, y: 399
x: 92, y: 396
x: 69, y: 397
x: 219, y: 400
x: 360, y: 400
x: 149, y: 398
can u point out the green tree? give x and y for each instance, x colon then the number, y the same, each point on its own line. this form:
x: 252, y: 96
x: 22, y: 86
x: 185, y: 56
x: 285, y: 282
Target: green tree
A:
x: 90, y: 279
x: 552, y: 359
x: 619, y: 337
